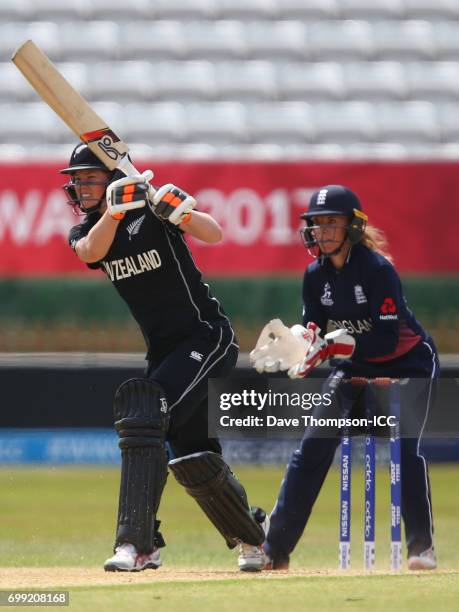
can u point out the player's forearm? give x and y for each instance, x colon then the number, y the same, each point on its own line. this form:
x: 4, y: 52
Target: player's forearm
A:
x: 203, y: 227
x: 96, y: 244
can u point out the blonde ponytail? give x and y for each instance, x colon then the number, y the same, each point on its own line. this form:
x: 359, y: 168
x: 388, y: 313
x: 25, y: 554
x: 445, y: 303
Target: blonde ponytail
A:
x: 374, y: 239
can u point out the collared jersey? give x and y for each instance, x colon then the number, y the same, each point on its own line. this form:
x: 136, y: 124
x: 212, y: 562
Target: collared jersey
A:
x: 365, y: 297
x: 151, y: 267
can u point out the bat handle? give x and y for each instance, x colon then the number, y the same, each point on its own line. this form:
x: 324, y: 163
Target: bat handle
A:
x: 127, y: 168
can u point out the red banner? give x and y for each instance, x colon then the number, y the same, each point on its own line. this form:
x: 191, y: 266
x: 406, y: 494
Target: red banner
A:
x: 258, y: 206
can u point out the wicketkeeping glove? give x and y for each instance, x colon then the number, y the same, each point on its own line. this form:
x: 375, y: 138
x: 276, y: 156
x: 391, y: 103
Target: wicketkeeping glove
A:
x: 128, y: 193
x: 280, y: 348
x: 172, y: 204
x: 338, y: 344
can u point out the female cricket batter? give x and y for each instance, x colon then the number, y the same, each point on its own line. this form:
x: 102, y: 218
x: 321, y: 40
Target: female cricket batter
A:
x: 354, y: 288
x: 136, y: 236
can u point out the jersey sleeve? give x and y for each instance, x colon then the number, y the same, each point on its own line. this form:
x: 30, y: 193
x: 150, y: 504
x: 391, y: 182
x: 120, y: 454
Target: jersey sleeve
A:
x: 312, y: 308
x: 385, y: 302
x: 77, y: 232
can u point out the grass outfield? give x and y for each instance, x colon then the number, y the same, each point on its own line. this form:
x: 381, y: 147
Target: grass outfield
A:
x: 57, y: 528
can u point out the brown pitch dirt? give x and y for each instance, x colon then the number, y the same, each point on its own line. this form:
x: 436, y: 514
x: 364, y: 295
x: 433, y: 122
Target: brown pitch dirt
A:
x: 58, y: 577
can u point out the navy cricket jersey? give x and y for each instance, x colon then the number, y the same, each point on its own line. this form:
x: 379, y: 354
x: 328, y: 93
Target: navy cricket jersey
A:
x: 365, y: 298
x: 152, y: 269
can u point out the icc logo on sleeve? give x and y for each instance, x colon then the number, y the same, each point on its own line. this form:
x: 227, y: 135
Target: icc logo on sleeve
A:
x: 326, y: 298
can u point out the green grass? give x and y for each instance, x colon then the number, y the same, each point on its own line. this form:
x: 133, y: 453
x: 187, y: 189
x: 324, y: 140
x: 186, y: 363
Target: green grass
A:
x: 373, y: 594
x: 66, y: 517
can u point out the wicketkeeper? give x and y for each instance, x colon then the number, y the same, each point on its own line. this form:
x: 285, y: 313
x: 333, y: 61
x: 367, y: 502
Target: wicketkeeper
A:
x: 353, y: 288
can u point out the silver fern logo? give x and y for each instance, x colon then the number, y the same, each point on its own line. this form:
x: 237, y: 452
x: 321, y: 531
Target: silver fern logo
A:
x: 134, y: 227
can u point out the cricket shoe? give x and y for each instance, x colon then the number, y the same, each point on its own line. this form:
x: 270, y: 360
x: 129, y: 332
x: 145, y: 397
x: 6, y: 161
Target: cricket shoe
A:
x: 252, y: 558
x: 425, y: 560
x: 276, y: 564
x: 126, y: 559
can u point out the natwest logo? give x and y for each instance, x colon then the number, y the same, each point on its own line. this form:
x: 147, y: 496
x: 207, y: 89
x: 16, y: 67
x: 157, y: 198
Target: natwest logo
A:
x: 388, y: 310
x: 388, y: 306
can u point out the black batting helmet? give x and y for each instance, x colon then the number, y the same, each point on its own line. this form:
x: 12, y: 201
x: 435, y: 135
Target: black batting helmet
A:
x: 82, y: 158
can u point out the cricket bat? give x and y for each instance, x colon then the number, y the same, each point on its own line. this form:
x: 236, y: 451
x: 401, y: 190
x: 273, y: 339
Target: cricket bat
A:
x: 72, y: 108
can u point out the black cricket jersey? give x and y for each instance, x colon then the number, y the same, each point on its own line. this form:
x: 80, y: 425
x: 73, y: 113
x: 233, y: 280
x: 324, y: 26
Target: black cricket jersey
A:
x: 366, y: 298
x: 152, y: 268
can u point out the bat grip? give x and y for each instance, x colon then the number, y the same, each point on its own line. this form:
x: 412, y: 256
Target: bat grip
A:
x: 127, y: 168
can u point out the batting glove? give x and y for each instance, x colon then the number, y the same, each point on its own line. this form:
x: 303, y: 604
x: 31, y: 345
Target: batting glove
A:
x: 128, y: 193
x: 172, y: 204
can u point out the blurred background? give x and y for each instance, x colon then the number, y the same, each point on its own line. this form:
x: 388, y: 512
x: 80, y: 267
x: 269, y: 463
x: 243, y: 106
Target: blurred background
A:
x: 250, y: 105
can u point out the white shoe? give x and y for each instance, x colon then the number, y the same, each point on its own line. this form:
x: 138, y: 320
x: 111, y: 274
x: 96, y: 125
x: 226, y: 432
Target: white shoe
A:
x: 126, y: 559
x: 252, y: 558
x: 426, y: 560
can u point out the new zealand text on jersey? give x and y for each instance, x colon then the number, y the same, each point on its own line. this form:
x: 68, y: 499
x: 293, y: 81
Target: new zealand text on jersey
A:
x: 118, y: 269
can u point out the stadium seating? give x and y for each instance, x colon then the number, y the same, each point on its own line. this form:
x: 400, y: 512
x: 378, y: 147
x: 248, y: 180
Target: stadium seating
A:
x: 186, y: 80
x: 280, y: 123
x: 428, y: 9
x: 184, y: 9
x: 375, y: 80
x: 432, y: 80
x: 311, y: 81
x: 377, y: 9
x: 241, y: 78
x: 245, y: 80
x: 345, y: 122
